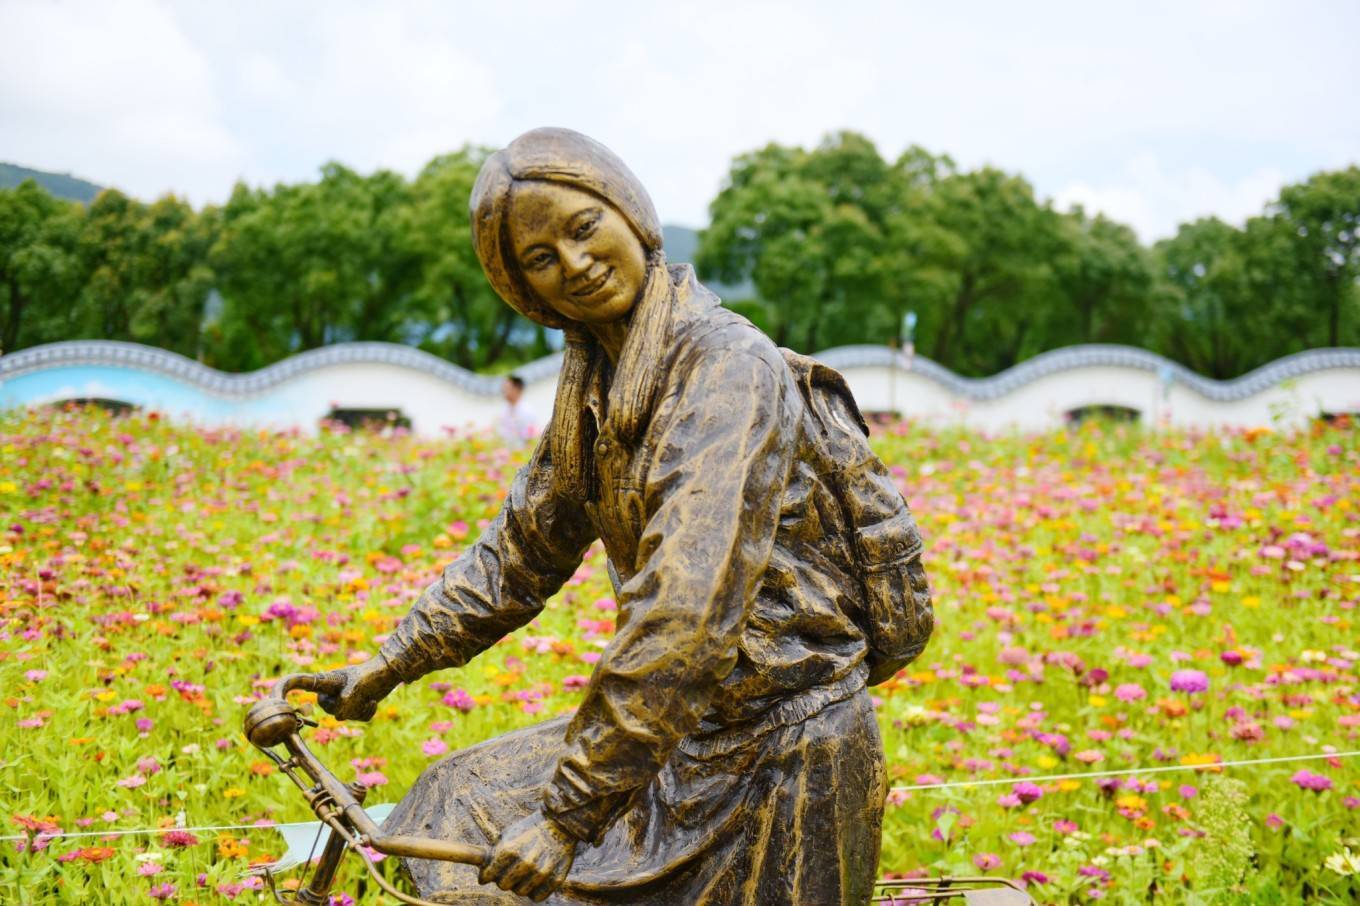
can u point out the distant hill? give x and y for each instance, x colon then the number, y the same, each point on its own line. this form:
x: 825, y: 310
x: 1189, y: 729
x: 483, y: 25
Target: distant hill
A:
x: 62, y: 185
x: 682, y: 243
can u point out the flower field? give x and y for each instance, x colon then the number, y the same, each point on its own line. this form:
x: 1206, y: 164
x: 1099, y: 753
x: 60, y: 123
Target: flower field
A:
x: 1107, y: 599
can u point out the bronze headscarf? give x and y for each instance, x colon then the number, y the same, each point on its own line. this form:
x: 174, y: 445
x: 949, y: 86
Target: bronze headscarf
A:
x: 572, y: 159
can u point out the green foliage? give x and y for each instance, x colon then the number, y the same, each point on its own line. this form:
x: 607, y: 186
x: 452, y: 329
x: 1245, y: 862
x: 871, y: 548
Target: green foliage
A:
x: 1220, y: 864
x: 40, y: 267
x: 819, y: 247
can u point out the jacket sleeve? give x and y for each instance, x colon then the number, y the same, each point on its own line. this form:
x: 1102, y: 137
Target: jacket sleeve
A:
x: 711, y: 503
x: 500, y: 583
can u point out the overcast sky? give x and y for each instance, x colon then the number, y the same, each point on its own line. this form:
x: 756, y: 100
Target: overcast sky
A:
x: 1154, y: 113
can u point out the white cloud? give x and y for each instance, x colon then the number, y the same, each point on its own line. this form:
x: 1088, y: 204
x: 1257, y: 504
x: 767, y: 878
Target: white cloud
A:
x: 114, y: 92
x: 1152, y: 113
x: 1154, y: 201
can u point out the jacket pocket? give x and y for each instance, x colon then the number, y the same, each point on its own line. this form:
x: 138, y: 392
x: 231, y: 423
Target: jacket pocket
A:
x: 898, y: 617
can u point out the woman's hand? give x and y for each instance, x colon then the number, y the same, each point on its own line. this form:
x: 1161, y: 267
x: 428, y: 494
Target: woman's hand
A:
x: 532, y: 857
x: 353, y: 693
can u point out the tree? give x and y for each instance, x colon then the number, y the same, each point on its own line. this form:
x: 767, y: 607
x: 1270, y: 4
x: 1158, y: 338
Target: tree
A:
x: 40, y: 268
x: 305, y: 265
x: 1001, y: 261
x: 808, y: 228
x: 1324, y: 215
x: 1105, y: 280
x: 455, y: 312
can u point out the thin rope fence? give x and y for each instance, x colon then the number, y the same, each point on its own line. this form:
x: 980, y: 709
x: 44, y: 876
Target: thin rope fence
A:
x: 1123, y: 772
x: 911, y: 788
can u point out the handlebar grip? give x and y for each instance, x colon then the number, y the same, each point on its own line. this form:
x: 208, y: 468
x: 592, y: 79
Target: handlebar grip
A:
x: 304, y: 682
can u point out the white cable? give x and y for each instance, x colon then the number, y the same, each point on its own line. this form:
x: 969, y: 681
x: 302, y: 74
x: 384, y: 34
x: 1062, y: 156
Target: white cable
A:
x: 1122, y: 772
x: 958, y: 784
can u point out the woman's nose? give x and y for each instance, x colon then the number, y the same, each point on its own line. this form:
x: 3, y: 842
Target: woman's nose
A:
x: 575, y: 259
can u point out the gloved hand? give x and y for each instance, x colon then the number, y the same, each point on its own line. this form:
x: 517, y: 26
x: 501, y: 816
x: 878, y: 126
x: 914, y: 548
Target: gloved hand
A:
x: 531, y: 858
x: 353, y: 693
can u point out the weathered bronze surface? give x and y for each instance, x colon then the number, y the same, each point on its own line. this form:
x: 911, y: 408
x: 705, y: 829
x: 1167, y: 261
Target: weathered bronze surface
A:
x: 765, y: 566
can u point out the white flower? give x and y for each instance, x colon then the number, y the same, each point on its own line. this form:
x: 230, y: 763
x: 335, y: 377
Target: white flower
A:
x: 1344, y: 863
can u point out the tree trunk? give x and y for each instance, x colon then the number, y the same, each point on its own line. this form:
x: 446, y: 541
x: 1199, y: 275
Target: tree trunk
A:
x: 953, y: 324
x: 17, y: 303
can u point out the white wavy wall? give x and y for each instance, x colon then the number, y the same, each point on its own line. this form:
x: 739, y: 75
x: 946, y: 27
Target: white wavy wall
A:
x: 436, y: 396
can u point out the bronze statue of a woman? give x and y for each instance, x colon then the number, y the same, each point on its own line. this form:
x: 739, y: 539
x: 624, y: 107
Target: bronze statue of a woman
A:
x: 766, y: 569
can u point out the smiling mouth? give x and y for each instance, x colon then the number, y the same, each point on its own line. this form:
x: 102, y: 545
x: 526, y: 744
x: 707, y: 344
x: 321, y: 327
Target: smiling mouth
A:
x: 594, y: 286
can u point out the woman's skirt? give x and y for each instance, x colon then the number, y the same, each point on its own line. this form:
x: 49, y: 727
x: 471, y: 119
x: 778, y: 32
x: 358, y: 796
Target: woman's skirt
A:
x: 791, y: 815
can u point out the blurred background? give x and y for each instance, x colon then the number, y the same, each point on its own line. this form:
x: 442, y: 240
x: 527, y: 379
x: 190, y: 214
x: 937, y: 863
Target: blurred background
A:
x: 241, y: 182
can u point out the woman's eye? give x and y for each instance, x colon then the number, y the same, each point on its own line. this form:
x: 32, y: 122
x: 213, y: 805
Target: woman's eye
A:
x: 539, y: 261
x: 586, y: 228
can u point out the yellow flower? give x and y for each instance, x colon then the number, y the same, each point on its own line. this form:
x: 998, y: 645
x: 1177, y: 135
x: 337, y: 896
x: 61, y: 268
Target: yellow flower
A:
x: 233, y: 792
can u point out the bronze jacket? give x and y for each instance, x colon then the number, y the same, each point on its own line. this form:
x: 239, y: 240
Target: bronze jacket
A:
x: 732, y: 560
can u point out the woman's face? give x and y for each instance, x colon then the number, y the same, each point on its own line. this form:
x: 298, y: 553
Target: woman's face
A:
x: 576, y: 252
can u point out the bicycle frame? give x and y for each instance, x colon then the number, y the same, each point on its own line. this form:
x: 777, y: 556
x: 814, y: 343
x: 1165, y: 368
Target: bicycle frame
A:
x: 273, y: 722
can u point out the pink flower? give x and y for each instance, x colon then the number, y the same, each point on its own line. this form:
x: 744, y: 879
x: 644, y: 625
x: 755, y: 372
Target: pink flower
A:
x: 1188, y: 792
x: 434, y: 747
x: 987, y: 861
x: 147, y: 869
x: 1065, y: 827
x: 1090, y: 756
x: 1191, y: 681
x: 35, y: 676
x: 1008, y: 800
x: 1129, y: 692
x: 1021, y: 838
x: 371, y: 779
x: 1307, y: 780
x: 1028, y: 792
x: 163, y: 891
x: 575, y: 681
x: 147, y: 764
x: 460, y: 700
x: 132, y: 782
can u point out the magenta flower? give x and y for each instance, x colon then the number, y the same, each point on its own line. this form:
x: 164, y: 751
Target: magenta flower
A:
x: 987, y: 861
x: 1191, y: 681
x: 434, y: 747
x: 1028, y: 792
x: 1307, y: 780
x: 460, y: 700
x: 163, y: 891
x: 1129, y: 692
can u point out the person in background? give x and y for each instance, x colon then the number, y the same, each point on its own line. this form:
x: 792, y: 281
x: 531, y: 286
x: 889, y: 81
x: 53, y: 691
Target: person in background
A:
x: 517, y: 423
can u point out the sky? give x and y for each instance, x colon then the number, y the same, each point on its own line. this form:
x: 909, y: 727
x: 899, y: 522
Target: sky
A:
x: 1153, y: 113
